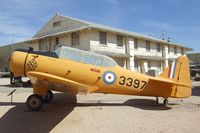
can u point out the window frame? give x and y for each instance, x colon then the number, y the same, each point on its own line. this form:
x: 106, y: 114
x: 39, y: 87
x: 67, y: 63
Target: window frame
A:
x: 83, y: 57
x: 136, y: 62
x: 182, y: 51
x: 149, y: 65
x: 136, y: 43
x: 103, y: 38
x: 108, y: 61
x: 56, y: 24
x: 158, y: 47
x: 97, y: 59
x: 119, y: 41
x: 77, y: 54
x: 148, y: 46
x: 74, y: 56
x: 57, y: 40
x: 175, y: 50
x: 75, y: 38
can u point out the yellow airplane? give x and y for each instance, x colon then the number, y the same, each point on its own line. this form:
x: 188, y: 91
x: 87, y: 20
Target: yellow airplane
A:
x: 76, y: 71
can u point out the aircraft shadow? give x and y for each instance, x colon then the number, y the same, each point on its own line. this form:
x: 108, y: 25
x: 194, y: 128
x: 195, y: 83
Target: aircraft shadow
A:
x: 145, y: 104
x: 196, y: 91
x: 19, y: 119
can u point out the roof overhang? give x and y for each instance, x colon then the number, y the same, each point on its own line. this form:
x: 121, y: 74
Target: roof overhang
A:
x: 55, y: 34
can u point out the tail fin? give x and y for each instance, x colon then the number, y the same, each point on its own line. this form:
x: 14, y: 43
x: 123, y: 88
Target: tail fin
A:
x: 179, y: 72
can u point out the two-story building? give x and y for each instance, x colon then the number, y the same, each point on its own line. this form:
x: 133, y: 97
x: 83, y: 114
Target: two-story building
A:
x: 130, y: 50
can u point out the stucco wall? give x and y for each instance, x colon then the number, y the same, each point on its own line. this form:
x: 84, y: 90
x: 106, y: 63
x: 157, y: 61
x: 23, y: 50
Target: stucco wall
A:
x: 111, y: 43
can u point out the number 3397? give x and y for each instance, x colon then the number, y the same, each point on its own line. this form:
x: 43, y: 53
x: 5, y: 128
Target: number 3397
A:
x: 130, y: 82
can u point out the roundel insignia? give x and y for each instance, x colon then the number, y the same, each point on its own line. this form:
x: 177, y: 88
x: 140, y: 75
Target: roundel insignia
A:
x: 109, y: 77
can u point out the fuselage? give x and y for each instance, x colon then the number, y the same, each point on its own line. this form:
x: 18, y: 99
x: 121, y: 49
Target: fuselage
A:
x: 110, y: 79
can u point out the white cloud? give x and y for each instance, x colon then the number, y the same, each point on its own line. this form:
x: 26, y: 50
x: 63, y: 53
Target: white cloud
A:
x: 14, y: 29
x: 113, y: 1
x: 16, y: 19
x: 12, y: 26
x: 133, y: 8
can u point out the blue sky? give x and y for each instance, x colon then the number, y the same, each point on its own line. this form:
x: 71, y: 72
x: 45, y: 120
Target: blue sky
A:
x: 177, y: 19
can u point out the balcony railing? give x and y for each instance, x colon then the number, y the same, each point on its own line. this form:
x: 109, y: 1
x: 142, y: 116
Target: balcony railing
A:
x: 148, y: 53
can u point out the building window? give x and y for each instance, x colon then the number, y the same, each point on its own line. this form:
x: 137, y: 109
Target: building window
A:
x: 43, y: 45
x: 158, y: 47
x: 119, y: 61
x: 119, y: 40
x: 57, y: 41
x: 168, y: 49
x: 56, y: 24
x: 149, y: 65
x: 147, y: 45
x: 102, y: 37
x: 75, y: 38
x: 182, y: 51
x: 136, y: 43
x: 159, y: 66
x: 175, y: 50
x: 136, y: 64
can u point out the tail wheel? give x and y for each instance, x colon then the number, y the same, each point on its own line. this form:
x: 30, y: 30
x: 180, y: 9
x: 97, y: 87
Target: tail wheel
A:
x: 48, y: 97
x: 165, y: 102
x: 34, y: 102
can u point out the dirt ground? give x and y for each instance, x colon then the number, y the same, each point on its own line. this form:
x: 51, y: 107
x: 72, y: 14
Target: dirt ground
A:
x: 97, y: 113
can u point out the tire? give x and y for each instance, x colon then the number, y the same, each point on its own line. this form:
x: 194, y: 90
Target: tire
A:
x: 48, y: 97
x: 34, y: 102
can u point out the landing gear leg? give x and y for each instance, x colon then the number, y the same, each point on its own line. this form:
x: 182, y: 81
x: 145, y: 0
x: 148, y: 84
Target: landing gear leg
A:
x: 165, y: 102
x: 48, y: 97
x: 34, y: 102
x: 157, y: 100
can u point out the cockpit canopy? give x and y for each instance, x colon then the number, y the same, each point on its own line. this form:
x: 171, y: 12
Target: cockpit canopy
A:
x: 84, y: 57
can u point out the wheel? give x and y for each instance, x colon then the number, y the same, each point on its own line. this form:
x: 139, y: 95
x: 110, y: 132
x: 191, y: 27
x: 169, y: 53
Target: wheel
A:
x: 165, y: 102
x: 48, y: 97
x: 34, y: 102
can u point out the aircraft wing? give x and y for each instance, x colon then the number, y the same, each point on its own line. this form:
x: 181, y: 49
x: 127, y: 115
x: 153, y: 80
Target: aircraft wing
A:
x: 38, y: 78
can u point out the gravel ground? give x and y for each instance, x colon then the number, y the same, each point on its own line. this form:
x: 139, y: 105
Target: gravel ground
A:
x: 97, y: 113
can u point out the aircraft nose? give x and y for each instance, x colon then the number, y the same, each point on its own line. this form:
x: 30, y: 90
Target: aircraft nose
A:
x: 17, y: 63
